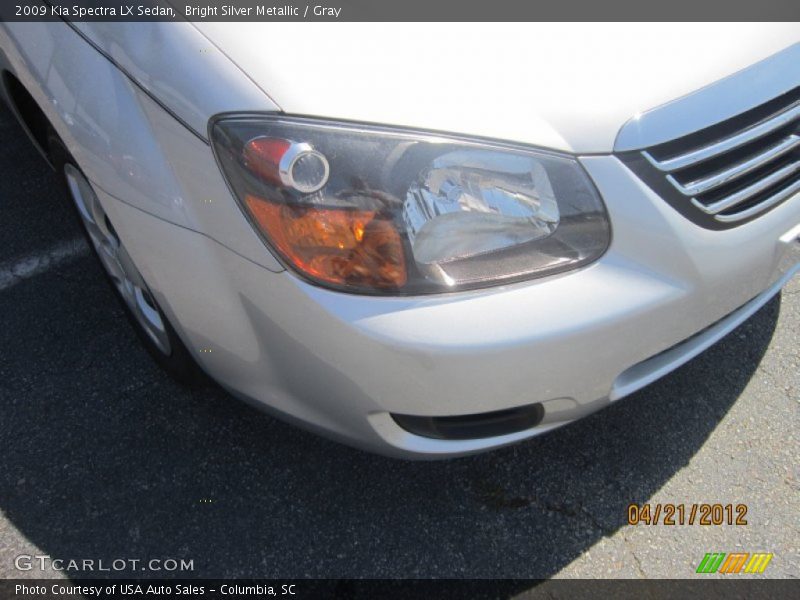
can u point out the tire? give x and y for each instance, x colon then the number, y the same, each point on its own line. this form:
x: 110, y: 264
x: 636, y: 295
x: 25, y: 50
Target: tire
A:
x: 147, y: 318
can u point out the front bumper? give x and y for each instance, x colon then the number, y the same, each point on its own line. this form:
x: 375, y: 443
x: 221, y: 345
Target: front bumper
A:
x: 342, y: 364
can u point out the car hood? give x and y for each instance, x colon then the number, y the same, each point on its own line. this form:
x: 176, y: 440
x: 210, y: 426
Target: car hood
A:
x: 569, y: 86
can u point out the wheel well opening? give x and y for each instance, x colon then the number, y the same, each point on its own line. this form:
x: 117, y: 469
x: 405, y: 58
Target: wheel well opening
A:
x: 27, y: 111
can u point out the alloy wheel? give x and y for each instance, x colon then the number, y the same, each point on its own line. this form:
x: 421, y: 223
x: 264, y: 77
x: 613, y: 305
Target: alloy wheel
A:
x: 116, y: 260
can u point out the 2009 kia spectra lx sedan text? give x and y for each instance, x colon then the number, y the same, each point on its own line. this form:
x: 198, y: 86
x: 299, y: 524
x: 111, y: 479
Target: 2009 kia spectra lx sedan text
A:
x: 423, y: 240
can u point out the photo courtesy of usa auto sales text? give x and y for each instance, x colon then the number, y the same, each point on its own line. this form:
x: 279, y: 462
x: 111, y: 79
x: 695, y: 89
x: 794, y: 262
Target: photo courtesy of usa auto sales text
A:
x: 135, y: 589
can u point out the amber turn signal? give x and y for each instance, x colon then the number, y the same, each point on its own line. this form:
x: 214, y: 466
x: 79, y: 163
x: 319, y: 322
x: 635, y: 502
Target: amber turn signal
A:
x: 345, y: 247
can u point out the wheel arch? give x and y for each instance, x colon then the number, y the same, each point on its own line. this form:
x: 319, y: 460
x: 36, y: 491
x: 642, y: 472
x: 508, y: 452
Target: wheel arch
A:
x: 27, y: 112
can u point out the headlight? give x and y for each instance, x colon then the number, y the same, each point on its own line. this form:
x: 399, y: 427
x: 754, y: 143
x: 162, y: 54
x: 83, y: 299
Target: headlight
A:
x: 381, y: 211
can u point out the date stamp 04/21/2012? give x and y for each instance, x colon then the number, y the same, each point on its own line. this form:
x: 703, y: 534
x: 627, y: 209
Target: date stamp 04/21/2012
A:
x: 687, y: 514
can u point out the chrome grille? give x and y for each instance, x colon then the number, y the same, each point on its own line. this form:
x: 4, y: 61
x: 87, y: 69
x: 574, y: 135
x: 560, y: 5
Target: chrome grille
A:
x: 733, y: 172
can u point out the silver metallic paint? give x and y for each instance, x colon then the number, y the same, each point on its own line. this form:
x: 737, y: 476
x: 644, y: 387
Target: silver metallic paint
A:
x: 713, y: 103
x: 340, y: 363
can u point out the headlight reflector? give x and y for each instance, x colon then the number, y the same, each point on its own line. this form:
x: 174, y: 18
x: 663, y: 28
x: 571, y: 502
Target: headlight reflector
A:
x: 383, y: 211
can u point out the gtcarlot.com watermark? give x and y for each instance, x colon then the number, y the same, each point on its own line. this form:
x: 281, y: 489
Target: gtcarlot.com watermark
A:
x: 39, y: 562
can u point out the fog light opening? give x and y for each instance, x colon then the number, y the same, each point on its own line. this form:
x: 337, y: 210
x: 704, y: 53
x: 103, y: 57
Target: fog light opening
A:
x: 474, y: 426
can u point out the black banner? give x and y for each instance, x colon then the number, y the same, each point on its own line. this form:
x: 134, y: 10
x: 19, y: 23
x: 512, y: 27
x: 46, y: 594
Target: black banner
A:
x: 446, y: 589
x: 398, y: 10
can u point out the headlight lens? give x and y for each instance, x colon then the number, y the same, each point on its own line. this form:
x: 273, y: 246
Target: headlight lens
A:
x: 382, y: 211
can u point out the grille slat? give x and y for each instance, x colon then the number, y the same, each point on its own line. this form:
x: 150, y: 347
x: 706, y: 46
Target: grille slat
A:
x: 738, y: 170
x: 732, y: 171
x: 751, y: 190
x: 727, y: 144
x: 764, y: 205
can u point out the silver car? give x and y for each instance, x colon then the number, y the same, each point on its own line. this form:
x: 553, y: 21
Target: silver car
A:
x: 424, y: 250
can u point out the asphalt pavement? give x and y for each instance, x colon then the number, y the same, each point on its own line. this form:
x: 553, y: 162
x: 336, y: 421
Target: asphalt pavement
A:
x: 103, y: 457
